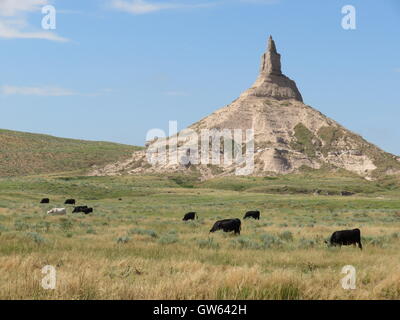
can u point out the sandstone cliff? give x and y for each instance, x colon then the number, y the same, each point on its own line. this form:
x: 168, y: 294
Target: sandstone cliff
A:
x: 288, y: 136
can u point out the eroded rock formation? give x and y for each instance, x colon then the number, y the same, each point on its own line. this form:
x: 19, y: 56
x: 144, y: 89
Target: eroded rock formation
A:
x: 288, y: 135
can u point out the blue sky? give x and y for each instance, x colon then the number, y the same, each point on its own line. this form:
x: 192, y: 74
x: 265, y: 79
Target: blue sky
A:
x: 114, y: 69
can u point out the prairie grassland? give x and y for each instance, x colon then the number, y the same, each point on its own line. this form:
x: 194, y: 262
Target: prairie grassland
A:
x: 25, y: 153
x: 139, y: 248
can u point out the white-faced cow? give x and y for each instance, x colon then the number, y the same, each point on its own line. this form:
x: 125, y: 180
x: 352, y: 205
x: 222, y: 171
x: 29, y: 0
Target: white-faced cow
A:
x: 190, y: 216
x: 252, y: 214
x: 227, y: 225
x: 57, y: 211
x: 346, y: 238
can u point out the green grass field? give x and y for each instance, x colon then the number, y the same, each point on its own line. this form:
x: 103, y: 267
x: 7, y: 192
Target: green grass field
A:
x: 24, y: 153
x: 139, y: 248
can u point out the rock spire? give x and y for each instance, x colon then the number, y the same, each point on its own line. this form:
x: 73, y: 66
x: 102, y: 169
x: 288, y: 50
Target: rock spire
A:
x: 271, y: 60
x: 271, y: 82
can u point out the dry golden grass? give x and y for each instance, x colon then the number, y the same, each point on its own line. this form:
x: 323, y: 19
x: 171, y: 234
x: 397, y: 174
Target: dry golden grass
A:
x: 139, y: 248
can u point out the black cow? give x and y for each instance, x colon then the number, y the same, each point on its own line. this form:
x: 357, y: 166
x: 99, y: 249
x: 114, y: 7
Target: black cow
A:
x: 346, y: 193
x: 69, y: 201
x: 346, y: 238
x: 227, y: 225
x: 79, y: 209
x: 87, y: 210
x: 45, y: 200
x: 190, y: 216
x: 252, y: 214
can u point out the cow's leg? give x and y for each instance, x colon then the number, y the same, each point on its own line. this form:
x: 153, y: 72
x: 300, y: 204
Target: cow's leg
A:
x: 360, y: 245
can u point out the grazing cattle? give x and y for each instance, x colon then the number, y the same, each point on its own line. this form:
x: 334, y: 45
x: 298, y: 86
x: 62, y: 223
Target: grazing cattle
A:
x: 69, y: 201
x: 227, y: 225
x: 120, y: 199
x: 252, y: 214
x: 87, y: 210
x: 346, y: 238
x: 45, y: 200
x: 346, y: 193
x: 190, y: 216
x: 57, y: 211
x: 79, y: 209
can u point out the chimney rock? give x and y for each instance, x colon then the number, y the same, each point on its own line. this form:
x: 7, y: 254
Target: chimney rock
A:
x: 271, y: 82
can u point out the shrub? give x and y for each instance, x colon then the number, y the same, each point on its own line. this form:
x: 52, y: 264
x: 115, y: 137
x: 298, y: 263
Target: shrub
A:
x: 91, y: 231
x: 36, y: 237
x: 306, y: 243
x: 269, y: 241
x: 245, y: 243
x: 376, y: 242
x: 66, y: 224
x: 286, y: 236
x: 168, y: 238
x: 208, y: 243
x: 194, y: 223
x: 124, y: 239
x: 43, y: 226
x: 20, y: 225
x: 394, y: 235
x: 150, y: 233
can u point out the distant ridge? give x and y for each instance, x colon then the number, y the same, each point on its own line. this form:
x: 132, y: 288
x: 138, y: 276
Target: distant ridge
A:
x: 289, y: 136
x: 23, y: 153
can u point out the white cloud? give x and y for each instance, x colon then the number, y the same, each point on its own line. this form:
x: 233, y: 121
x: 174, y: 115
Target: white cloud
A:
x: 49, y: 91
x: 149, y: 6
x: 144, y: 6
x: 10, y: 31
x: 14, y: 22
x: 11, y: 8
x: 36, y: 91
x: 260, y: 1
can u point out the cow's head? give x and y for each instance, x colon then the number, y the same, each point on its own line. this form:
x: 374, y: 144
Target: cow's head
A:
x: 214, y: 228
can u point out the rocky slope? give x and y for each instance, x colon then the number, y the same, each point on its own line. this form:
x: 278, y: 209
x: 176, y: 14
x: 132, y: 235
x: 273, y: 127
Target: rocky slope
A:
x: 288, y: 136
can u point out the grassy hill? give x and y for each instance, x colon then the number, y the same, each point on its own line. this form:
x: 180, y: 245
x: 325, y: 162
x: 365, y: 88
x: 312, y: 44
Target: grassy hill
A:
x: 28, y: 153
